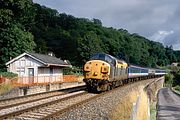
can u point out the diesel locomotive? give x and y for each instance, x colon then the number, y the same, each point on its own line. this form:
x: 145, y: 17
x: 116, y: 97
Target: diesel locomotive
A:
x: 104, y: 72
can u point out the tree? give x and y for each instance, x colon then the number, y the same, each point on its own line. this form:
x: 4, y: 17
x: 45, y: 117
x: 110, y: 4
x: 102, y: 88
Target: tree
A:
x: 89, y: 45
x: 16, y: 19
x: 177, y: 78
x: 170, y: 54
x: 97, y: 21
x: 15, y: 41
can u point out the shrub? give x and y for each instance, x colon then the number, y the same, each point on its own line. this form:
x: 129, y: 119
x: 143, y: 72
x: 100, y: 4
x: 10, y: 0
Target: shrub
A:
x: 177, y: 78
x: 177, y: 88
x: 8, y: 74
x: 169, y: 79
x: 72, y: 71
x: 5, y: 87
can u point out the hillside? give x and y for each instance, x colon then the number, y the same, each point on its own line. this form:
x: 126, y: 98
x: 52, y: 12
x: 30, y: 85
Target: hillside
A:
x: 30, y: 27
x: 77, y: 39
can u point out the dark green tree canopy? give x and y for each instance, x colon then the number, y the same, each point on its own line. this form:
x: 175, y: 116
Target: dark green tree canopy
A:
x: 16, y: 19
x: 27, y: 26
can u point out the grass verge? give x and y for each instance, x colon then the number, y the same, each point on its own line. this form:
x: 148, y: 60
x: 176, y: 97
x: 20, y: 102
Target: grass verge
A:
x: 5, y: 87
x: 153, y: 111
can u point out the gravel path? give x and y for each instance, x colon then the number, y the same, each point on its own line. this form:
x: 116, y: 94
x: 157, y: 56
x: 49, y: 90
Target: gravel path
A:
x: 168, y: 105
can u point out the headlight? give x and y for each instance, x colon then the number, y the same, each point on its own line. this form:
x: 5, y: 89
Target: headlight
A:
x: 87, y: 68
x: 105, y: 69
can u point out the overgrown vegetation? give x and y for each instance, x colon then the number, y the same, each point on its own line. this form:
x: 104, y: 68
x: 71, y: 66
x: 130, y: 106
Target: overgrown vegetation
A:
x: 8, y: 75
x: 26, y: 26
x: 177, y: 53
x: 153, y: 111
x: 169, y: 80
x: 5, y: 87
x: 176, y: 82
x: 172, y: 79
x: 73, y: 71
x: 177, y: 88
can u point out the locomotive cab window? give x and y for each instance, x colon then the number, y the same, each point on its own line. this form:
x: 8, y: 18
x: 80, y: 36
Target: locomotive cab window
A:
x: 104, y: 57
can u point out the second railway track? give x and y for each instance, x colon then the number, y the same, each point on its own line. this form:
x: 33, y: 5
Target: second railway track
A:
x: 7, y: 106
x: 42, y: 110
x: 11, y: 102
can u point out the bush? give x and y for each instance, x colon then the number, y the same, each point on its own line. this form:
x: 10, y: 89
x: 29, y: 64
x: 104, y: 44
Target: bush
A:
x: 177, y: 78
x: 177, y: 88
x: 8, y: 74
x: 169, y: 79
x: 72, y: 71
x: 5, y: 87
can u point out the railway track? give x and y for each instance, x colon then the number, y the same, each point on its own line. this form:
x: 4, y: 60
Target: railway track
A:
x: 19, y: 104
x: 11, y: 102
x: 56, y: 107
x: 44, y: 109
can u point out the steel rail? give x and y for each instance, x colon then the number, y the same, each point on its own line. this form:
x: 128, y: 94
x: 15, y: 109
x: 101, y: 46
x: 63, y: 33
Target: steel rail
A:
x: 16, y: 113
x: 51, y: 94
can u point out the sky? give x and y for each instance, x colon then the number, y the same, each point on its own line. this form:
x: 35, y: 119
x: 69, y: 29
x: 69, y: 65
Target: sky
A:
x: 157, y: 20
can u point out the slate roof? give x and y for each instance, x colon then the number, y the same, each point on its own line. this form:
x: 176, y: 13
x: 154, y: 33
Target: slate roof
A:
x: 45, y: 59
x: 48, y: 59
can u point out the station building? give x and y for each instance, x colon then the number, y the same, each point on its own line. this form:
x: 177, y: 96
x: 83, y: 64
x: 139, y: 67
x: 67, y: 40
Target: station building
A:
x: 37, y: 68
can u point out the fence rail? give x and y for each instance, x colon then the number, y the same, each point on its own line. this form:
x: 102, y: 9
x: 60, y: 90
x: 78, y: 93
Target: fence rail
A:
x: 2, y: 80
x: 41, y: 80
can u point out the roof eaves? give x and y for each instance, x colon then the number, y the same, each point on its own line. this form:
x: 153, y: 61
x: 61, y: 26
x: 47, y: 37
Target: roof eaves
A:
x: 16, y: 58
x: 50, y: 64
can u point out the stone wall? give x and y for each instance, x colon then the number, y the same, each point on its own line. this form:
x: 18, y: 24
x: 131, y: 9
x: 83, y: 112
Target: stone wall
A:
x: 21, y: 91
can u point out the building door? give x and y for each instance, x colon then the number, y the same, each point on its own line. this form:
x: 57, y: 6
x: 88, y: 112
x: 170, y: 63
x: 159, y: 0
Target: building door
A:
x: 51, y: 75
x: 31, y: 75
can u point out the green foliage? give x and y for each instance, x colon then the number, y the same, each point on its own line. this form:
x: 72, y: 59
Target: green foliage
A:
x: 24, y: 24
x: 17, y: 11
x: 16, y: 19
x: 177, y: 54
x: 72, y: 71
x: 8, y: 74
x: 153, y: 111
x: 5, y: 88
x: 15, y: 41
x: 169, y: 79
x: 177, y: 88
x: 177, y: 78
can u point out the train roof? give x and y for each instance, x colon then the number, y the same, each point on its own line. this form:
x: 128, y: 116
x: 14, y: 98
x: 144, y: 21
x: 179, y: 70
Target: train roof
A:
x: 93, y: 57
x: 130, y: 65
x: 122, y: 61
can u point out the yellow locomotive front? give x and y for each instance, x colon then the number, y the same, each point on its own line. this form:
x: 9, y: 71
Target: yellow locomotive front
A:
x: 103, y: 72
x: 96, y: 69
x: 98, y: 72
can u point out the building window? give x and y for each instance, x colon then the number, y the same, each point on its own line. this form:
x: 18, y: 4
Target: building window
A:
x: 51, y: 70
